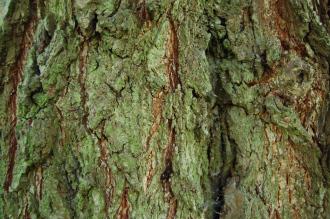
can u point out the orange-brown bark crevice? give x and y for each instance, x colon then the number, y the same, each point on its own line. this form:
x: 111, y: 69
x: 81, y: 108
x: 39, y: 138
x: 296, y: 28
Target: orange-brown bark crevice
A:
x: 102, y: 141
x: 280, y: 17
x: 157, y: 110
x: 104, y: 157
x: 174, y: 81
x: 143, y: 13
x: 123, y: 210
x: 150, y: 170
x: 172, y: 71
x: 16, y: 73
x: 285, y: 27
x: 172, y: 55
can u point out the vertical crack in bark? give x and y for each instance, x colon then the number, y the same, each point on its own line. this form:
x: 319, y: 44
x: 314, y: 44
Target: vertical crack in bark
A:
x: 123, y: 210
x: 325, y: 141
x: 284, y: 26
x: 150, y: 170
x: 104, y: 152
x: 172, y: 55
x: 62, y: 141
x: 227, y: 147
x: 82, y: 79
x: 26, y: 211
x: 166, y: 175
x: 172, y: 70
x: 16, y: 73
x: 108, y: 183
x: 157, y: 110
x: 38, y: 183
x: 143, y: 13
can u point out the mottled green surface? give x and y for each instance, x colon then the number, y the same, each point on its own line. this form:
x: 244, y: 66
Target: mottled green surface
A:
x: 163, y: 109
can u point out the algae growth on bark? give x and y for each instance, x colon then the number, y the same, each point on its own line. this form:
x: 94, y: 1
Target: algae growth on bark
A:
x: 164, y: 109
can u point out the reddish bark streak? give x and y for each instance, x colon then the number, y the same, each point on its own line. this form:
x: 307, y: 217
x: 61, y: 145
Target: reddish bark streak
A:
x: 104, y: 152
x: 16, y: 73
x: 172, y: 54
x: 107, y: 170
x: 172, y: 69
x: 285, y: 27
x: 157, y: 109
x: 123, y: 210
x: 268, y: 75
x: 150, y: 170
x: 143, y: 13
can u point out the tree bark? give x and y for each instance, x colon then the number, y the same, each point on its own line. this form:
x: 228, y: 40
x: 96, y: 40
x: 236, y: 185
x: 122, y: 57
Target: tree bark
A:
x: 164, y: 109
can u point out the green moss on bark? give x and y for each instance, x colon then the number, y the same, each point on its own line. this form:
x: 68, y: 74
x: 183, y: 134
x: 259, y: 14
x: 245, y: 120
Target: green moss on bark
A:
x: 163, y: 109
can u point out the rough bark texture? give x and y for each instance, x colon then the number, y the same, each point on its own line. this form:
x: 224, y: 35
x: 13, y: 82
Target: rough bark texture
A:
x: 164, y: 109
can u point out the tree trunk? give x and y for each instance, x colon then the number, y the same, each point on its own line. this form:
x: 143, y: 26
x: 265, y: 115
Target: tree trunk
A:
x: 164, y: 109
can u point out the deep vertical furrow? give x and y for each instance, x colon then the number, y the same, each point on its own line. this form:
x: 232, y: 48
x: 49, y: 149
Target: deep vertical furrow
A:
x: 102, y: 143
x: 172, y: 70
x: 82, y: 79
x: 16, y: 73
x: 164, y: 109
x: 123, y: 210
x: 172, y: 67
x: 166, y: 175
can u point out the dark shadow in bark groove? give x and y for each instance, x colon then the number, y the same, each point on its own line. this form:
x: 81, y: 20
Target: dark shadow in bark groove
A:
x: 324, y: 141
x: 215, y: 52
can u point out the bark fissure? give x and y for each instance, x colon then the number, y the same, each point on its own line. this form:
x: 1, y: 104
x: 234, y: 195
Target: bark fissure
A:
x: 172, y: 55
x: 26, y: 211
x: 166, y: 175
x: 123, y: 210
x: 143, y: 13
x: 39, y: 182
x: 109, y: 188
x: 82, y: 80
x: 284, y: 27
x: 173, y: 109
x: 172, y: 70
x: 216, y: 52
x: 16, y: 73
x: 61, y: 117
x: 157, y: 110
x: 101, y: 140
